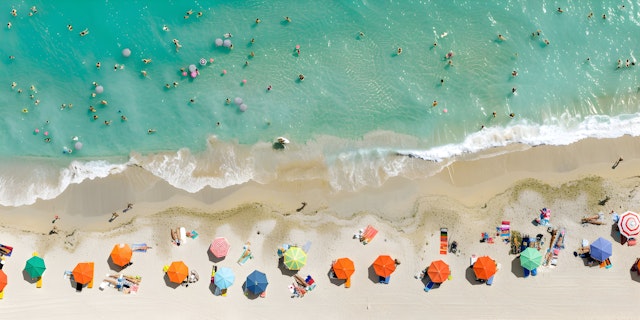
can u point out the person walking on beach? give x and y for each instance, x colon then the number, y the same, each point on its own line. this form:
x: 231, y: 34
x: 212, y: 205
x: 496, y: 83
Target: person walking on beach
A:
x: 615, y: 165
x: 129, y: 207
x: 114, y: 216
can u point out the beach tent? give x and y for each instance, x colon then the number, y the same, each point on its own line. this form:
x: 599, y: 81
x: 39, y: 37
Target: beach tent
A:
x: 121, y: 254
x: 295, y: 258
x: 343, y: 269
x: 530, y: 258
x: 35, y: 266
x: 177, y: 271
x: 257, y: 282
x: 219, y: 247
x: 384, y: 266
x: 438, y: 271
x: 601, y: 249
x: 83, y: 273
x: 224, y: 278
x: 629, y: 224
x: 484, y: 268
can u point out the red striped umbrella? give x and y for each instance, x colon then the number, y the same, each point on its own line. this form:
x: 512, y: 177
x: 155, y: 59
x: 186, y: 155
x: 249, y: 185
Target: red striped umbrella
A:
x: 219, y: 247
x: 629, y: 224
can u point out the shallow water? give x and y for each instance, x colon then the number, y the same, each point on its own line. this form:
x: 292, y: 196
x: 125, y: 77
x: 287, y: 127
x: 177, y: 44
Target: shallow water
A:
x: 360, y: 103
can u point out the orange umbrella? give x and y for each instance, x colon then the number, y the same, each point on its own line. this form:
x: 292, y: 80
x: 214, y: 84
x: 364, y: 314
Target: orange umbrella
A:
x: 484, y: 268
x: 121, y: 254
x: 3, y: 280
x: 343, y: 268
x: 438, y: 271
x: 384, y: 266
x: 83, y: 272
x: 177, y: 272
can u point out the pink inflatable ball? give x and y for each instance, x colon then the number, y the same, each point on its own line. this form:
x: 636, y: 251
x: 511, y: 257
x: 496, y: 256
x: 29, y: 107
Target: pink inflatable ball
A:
x: 224, y: 71
x: 219, y: 42
x: 36, y: 131
x: 244, y: 81
x: 227, y: 43
x: 99, y: 89
x: 445, y: 110
x: 243, y: 107
x: 184, y: 73
x: 211, y: 60
x: 46, y: 133
x: 297, y: 47
x: 237, y: 100
x: 78, y: 145
x: 126, y: 52
x: 194, y: 74
x: 192, y: 68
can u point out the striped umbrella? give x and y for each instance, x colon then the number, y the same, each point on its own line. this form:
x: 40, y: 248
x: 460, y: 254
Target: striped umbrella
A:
x: 219, y: 247
x: 629, y: 224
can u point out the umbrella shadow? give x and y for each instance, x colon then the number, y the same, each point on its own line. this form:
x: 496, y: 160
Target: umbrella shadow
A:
x: 250, y: 295
x: 27, y: 277
x: 615, y: 233
x: 284, y: 270
x: 335, y: 281
x: 633, y: 271
x: 470, y: 275
x: 373, y: 276
x: 212, y: 257
x: 516, y: 267
x: 113, y: 266
x: 170, y: 283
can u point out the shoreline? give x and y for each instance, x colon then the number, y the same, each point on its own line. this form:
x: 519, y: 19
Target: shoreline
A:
x: 471, y: 196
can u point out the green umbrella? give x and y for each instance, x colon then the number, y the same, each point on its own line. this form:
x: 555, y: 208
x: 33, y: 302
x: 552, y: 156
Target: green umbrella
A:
x: 295, y: 258
x: 530, y: 258
x: 35, y: 267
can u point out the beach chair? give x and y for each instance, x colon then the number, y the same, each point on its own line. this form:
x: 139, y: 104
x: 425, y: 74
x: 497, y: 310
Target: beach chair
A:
x: 385, y: 280
x: 39, y: 283
x: 490, y: 281
x: 1, y: 294
x: 444, y: 240
x: 526, y: 272
x: 429, y: 286
x: 534, y: 272
x: 78, y: 287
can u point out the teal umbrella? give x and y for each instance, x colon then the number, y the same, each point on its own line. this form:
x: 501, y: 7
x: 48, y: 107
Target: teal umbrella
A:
x: 35, y: 267
x: 530, y: 258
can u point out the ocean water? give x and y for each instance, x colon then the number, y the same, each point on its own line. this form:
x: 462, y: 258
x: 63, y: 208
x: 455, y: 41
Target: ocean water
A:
x: 360, y: 108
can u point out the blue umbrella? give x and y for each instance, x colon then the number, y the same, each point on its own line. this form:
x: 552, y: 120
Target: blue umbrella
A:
x: 224, y: 278
x: 601, y: 249
x: 257, y: 282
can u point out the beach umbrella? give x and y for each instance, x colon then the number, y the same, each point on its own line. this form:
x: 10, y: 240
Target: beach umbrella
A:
x: 601, y: 249
x: 121, y: 254
x: 295, y: 258
x: 83, y: 272
x: 438, y: 271
x: 484, y: 268
x: 219, y: 247
x: 224, y: 278
x: 256, y: 282
x: 629, y: 224
x: 35, y: 267
x: 343, y: 268
x: 384, y: 266
x: 530, y: 258
x: 177, y: 272
x: 3, y: 280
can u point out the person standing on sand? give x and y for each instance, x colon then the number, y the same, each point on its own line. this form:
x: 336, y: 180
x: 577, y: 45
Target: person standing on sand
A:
x: 114, y: 216
x: 615, y: 165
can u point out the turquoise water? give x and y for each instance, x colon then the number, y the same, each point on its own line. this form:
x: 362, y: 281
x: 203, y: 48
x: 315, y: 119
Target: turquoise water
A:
x: 359, y: 106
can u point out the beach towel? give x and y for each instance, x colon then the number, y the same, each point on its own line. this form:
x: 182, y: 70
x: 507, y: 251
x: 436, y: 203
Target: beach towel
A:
x: 369, y: 233
x: 6, y: 250
x: 183, y: 234
x: 139, y: 247
x: 444, y: 240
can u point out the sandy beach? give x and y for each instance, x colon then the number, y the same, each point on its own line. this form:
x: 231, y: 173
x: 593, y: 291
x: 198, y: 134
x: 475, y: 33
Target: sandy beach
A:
x: 471, y: 196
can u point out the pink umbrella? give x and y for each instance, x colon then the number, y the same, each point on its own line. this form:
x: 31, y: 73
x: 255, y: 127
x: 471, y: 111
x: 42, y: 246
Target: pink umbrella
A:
x: 629, y: 224
x: 219, y: 247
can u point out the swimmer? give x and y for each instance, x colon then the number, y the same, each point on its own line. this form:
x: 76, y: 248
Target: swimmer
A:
x: 98, y: 65
x: 177, y: 43
x: 514, y: 73
x: 103, y: 102
x: 37, y: 102
x: 495, y: 114
x: 63, y: 106
x: 192, y: 100
x: 441, y: 82
x: 115, y: 67
x: 93, y: 94
x: 258, y: 20
x: 604, y: 16
x: 301, y: 77
x: 590, y: 15
x: 246, y: 63
x: 95, y: 84
x: 560, y: 10
x: 12, y: 57
x: 95, y: 117
x: 501, y: 37
x: 361, y: 34
x: 435, y: 44
x: 146, y: 61
x: 228, y: 35
x: 512, y: 115
x: 25, y: 110
x: 143, y: 73
x: 450, y: 62
x: 253, y: 40
x: 92, y: 109
x: 165, y: 28
x: 84, y: 32
x: 199, y: 14
x: 34, y: 9
x: 123, y: 118
x: 150, y: 131
x: 19, y: 90
x: 14, y: 12
x: 175, y: 84
x: 69, y: 27
x: 9, y: 25
x: 435, y: 103
x: 31, y: 96
x: 47, y: 139
x: 166, y: 85
x: 228, y: 101
x: 190, y: 12
x: 546, y: 41
x: 287, y: 19
x: 106, y: 123
x: 269, y: 88
x: 399, y: 51
x: 513, y: 90
x: 13, y: 84
x: 252, y: 54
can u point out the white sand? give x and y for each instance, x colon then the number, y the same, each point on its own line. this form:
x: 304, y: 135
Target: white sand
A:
x: 469, y: 198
